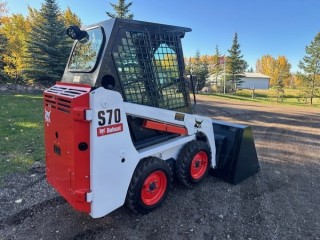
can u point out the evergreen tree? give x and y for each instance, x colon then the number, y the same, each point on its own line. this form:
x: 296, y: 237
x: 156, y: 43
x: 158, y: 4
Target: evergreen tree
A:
x: 236, y: 65
x: 121, y: 10
x: 200, y: 70
x: 278, y: 86
x: 310, y: 64
x: 218, y: 65
x: 46, y: 45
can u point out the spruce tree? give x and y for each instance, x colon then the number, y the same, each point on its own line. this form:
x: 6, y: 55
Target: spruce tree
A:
x: 218, y: 65
x: 310, y: 64
x: 46, y: 45
x: 121, y: 10
x: 200, y: 70
x: 236, y: 65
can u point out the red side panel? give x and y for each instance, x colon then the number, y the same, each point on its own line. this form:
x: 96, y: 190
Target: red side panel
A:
x: 164, y: 127
x: 67, y: 142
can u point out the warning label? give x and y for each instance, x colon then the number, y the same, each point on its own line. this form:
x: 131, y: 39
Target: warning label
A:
x: 102, y: 131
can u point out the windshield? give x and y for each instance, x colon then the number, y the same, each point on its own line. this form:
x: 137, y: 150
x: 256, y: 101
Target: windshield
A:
x: 86, y: 51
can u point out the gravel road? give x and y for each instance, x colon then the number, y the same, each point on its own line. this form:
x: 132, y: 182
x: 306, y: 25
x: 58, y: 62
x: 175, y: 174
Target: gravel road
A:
x: 282, y: 201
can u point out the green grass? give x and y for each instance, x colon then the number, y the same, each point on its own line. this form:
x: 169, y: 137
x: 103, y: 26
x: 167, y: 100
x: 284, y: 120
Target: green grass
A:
x: 21, y: 132
x: 291, y: 97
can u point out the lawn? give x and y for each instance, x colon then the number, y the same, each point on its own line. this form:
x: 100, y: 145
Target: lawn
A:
x: 21, y: 132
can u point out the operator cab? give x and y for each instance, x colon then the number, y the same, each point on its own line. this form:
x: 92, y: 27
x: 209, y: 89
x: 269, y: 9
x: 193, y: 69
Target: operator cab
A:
x: 142, y: 61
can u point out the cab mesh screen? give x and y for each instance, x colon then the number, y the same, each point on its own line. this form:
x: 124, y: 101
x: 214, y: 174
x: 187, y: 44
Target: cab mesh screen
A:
x: 150, y: 69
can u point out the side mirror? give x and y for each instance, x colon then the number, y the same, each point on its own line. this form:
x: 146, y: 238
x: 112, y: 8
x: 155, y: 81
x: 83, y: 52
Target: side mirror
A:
x: 75, y: 33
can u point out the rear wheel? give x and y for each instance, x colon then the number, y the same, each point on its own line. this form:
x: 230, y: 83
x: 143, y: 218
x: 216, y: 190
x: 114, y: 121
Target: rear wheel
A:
x: 193, y: 163
x: 149, y: 185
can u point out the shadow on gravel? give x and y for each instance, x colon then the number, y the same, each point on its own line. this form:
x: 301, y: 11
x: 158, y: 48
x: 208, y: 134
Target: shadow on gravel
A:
x: 19, y: 217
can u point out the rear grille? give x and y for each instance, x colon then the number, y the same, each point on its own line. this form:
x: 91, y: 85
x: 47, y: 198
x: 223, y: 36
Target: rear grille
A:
x: 60, y: 97
x: 65, y: 91
x: 61, y: 104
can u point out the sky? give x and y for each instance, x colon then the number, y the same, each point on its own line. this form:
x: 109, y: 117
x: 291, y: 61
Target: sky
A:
x: 274, y: 27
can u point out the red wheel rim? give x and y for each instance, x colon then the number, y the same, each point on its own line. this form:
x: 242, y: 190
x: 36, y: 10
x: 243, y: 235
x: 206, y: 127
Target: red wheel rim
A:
x: 154, y: 187
x: 199, y: 165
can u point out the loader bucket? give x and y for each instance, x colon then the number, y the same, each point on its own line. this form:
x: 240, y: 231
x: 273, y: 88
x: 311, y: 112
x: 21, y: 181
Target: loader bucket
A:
x: 236, y: 156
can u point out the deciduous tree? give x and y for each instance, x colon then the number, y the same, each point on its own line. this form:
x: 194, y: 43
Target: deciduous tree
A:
x: 15, y: 28
x: 274, y: 68
x: 121, y: 10
x: 70, y: 18
x: 3, y: 41
x: 310, y: 65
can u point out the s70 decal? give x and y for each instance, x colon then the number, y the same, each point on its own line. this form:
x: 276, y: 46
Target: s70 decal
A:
x: 109, y: 116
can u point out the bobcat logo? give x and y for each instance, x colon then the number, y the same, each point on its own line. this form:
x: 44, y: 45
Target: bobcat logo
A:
x: 47, y: 114
x: 198, y: 123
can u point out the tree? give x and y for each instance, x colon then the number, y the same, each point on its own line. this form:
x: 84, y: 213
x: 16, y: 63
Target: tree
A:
x: 3, y: 41
x: 236, y: 65
x: 15, y: 29
x: 70, y: 18
x: 310, y: 65
x: 266, y: 66
x: 3, y: 44
x: 121, y: 10
x: 3, y: 9
x: 200, y: 69
x: 46, y: 45
x: 279, y: 72
x: 217, y: 65
x: 274, y: 68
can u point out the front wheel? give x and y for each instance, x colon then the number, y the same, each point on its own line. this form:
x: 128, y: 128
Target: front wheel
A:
x: 193, y: 163
x: 149, y: 185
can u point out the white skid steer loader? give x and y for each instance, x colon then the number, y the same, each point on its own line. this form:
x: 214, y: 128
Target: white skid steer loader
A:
x: 119, y: 123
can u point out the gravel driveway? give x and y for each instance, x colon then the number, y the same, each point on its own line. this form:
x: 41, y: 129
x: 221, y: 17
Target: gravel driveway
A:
x: 282, y: 201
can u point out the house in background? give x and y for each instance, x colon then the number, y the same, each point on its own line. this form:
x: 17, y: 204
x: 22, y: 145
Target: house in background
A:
x: 255, y: 80
x: 250, y: 80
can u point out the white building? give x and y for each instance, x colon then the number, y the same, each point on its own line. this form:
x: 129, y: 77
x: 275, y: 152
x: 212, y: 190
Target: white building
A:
x: 255, y: 80
x: 250, y: 80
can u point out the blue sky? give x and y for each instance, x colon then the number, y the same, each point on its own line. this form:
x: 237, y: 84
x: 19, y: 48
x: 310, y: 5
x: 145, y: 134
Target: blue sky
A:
x: 275, y: 27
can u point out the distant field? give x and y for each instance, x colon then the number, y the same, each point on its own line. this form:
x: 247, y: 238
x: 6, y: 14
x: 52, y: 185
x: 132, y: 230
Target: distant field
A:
x: 291, y: 97
x: 21, y: 132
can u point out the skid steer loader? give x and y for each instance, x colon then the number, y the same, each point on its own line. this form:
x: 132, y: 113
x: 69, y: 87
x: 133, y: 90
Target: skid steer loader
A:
x: 120, y: 122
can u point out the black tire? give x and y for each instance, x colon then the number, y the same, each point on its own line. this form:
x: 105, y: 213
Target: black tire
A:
x: 149, y: 185
x: 198, y: 153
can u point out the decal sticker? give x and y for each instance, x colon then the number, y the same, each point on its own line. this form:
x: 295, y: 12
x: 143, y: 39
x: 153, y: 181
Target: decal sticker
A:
x: 109, y: 116
x: 198, y: 123
x: 76, y: 79
x: 102, y: 131
x: 47, y: 114
x: 179, y: 117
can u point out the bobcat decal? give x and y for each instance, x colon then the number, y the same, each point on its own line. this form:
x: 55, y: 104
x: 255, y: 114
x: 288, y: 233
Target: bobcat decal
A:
x: 47, y: 114
x: 198, y: 123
